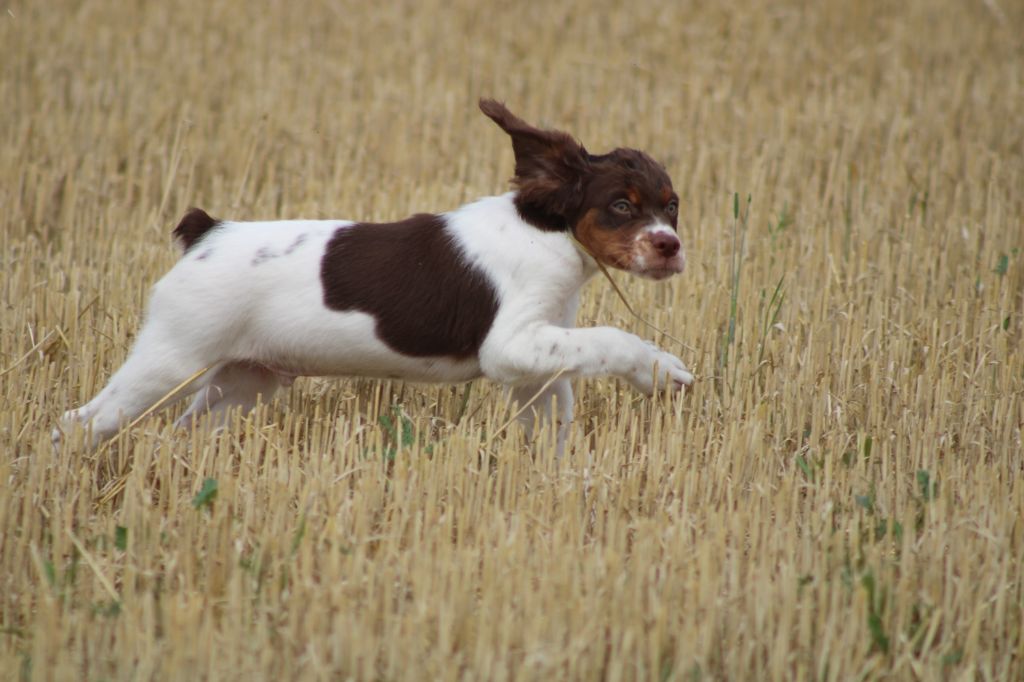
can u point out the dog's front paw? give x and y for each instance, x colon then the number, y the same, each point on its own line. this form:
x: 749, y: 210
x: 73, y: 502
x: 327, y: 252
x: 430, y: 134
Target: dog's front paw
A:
x: 67, y: 422
x: 660, y: 370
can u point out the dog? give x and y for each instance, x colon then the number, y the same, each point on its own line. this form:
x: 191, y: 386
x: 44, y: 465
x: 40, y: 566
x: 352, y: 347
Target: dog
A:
x: 490, y: 289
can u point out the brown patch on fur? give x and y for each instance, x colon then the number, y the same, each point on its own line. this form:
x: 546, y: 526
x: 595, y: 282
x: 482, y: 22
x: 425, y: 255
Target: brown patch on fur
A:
x: 632, y: 174
x: 559, y: 184
x: 610, y: 247
x: 616, y: 239
x: 410, y: 276
x: 193, y: 227
x: 550, y: 168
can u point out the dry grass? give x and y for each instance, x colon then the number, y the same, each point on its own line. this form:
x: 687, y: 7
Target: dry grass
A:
x: 840, y: 497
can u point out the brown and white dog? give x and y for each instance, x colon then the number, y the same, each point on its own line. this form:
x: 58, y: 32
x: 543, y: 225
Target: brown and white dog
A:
x: 490, y: 289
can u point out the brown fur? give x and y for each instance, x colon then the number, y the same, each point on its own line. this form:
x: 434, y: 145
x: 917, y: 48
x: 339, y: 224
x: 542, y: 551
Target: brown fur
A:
x: 195, y: 225
x: 606, y: 245
x: 550, y: 169
x: 427, y: 301
x: 562, y: 187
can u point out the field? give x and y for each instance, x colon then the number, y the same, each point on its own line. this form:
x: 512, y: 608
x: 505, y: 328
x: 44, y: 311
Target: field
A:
x: 840, y: 496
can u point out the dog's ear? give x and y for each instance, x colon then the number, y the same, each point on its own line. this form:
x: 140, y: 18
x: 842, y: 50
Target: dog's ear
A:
x: 550, y: 164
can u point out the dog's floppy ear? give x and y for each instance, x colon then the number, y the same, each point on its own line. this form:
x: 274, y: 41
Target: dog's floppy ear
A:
x: 550, y: 164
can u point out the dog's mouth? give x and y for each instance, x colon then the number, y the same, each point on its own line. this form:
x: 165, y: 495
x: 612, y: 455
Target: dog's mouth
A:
x: 659, y: 270
x: 642, y: 263
x: 657, y: 273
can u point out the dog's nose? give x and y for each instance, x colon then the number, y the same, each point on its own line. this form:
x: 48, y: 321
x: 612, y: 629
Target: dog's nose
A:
x: 665, y: 244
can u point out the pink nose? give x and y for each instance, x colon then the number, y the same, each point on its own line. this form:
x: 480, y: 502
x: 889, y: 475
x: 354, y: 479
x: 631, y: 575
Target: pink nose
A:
x: 665, y: 244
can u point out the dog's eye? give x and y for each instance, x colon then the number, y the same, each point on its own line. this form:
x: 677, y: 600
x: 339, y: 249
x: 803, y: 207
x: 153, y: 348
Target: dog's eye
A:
x: 622, y: 207
x: 672, y: 209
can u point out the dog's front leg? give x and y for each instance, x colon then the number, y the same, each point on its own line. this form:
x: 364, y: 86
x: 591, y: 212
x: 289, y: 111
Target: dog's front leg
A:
x: 532, y: 354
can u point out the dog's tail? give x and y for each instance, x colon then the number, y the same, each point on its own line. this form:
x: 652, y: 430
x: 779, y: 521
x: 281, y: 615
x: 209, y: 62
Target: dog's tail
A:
x: 193, y: 227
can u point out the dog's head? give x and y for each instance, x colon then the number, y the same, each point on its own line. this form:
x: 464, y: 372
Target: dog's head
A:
x: 620, y: 206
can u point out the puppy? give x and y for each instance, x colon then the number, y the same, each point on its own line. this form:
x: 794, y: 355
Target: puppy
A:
x: 488, y: 290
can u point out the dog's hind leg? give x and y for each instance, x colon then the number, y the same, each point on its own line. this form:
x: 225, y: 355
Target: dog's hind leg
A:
x: 556, y: 397
x: 233, y: 385
x: 156, y: 369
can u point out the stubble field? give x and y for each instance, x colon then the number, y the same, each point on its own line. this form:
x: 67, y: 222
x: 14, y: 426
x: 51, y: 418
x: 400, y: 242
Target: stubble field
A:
x: 840, y: 496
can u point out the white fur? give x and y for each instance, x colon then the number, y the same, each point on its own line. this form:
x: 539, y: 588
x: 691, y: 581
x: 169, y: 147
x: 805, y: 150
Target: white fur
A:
x: 258, y: 328
x: 640, y: 263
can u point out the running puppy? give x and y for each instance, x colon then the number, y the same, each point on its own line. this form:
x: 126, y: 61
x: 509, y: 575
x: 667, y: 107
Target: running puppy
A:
x: 490, y: 289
